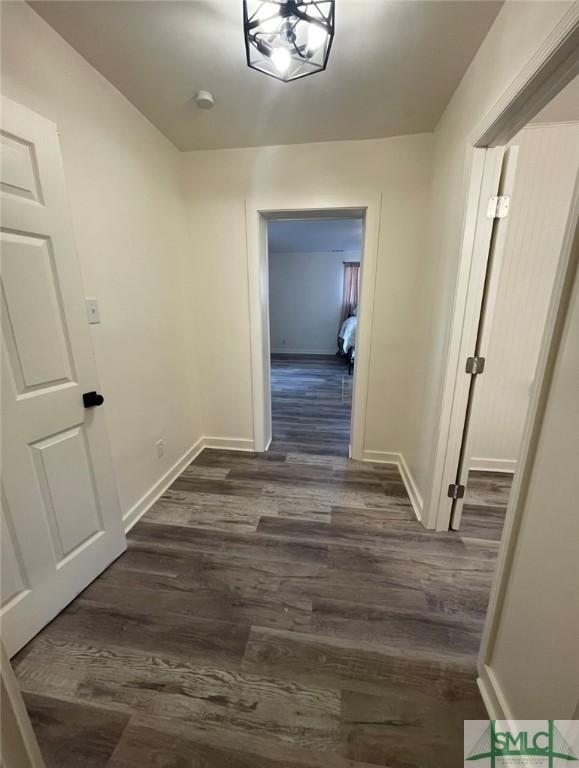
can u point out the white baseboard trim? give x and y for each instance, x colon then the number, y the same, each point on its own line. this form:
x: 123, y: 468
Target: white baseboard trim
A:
x: 492, y: 696
x: 493, y: 465
x: 384, y: 457
x: 381, y: 457
x: 228, y: 443
x: 158, y: 489
x: 411, y: 488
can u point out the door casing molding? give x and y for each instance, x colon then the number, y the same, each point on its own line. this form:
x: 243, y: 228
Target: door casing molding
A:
x: 562, y: 289
x: 552, y: 67
x: 18, y: 746
x: 257, y: 213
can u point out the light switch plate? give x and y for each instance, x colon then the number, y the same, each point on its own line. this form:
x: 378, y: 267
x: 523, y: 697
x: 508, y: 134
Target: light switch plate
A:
x: 92, y: 311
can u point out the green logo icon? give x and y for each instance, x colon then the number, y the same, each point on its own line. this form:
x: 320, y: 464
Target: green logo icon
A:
x: 547, y: 743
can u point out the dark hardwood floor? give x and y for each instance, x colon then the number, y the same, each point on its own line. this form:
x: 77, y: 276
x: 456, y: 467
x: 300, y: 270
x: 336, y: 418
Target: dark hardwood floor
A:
x: 311, y: 403
x: 280, y: 610
x: 485, y: 506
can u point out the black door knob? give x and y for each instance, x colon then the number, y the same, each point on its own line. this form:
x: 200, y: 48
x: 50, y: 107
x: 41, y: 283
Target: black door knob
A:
x: 92, y: 399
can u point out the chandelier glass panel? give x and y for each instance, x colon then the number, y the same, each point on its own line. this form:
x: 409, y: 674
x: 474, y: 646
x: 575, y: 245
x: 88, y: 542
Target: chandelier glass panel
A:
x: 288, y: 39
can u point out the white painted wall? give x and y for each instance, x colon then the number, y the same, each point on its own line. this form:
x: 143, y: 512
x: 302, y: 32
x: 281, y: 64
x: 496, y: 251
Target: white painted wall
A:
x: 419, y: 249
x: 218, y: 182
x: 546, y: 170
x: 129, y: 225
x: 518, y: 31
x: 305, y: 301
x: 152, y: 286
x: 533, y: 663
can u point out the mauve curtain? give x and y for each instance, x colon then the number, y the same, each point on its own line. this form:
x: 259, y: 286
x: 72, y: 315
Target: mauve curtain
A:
x: 350, y: 295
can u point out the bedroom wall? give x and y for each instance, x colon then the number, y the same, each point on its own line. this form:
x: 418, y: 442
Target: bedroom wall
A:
x: 219, y: 181
x: 515, y: 36
x: 128, y: 218
x: 548, y: 160
x: 305, y: 301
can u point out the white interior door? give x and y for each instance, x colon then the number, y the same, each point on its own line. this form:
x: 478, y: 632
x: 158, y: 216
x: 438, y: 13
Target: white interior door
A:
x: 497, y: 211
x: 61, y: 521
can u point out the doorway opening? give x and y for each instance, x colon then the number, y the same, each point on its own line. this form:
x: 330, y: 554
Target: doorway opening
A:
x: 515, y: 295
x: 314, y: 275
x: 320, y: 404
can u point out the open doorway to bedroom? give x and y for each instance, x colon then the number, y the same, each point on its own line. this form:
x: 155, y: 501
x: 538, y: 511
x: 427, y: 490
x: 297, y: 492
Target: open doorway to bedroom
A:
x: 314, y: 269
x: 516, y: 302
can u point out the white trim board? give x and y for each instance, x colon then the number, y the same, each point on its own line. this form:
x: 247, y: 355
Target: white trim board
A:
x: 508, y: 466
x: 492, y: 696
x: 228, y: 443
x: 476, y: 236
x: 547, y: 124
x: 18, y: 738
x: 384, y: 457
x: 548, y: 71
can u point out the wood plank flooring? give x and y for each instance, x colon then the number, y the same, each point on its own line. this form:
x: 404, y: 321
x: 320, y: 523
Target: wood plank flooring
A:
x: 311, y: 404
x: 485, y: 506
x: 282, y: 610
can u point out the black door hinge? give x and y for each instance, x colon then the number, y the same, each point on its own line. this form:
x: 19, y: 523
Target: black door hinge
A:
x: 475, y: 365
x: 455, y: 491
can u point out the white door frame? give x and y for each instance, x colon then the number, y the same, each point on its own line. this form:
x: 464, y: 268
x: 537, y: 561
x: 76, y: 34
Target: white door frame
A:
x: 554, y: 65
x: 18, y: 745
x: 557, y: 314
x: 485, y: 175
x: 258, y: 212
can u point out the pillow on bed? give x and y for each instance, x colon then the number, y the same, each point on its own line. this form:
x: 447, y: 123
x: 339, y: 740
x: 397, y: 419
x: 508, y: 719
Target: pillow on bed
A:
x: 354, y: 312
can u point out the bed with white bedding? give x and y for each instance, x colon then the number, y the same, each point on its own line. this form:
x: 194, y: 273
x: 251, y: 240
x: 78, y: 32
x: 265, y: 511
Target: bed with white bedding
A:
x: 347, y: 340
x: 348, y: 334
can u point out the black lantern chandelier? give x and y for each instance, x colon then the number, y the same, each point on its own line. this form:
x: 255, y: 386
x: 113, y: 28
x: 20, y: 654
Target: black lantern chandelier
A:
x: 288, y: 39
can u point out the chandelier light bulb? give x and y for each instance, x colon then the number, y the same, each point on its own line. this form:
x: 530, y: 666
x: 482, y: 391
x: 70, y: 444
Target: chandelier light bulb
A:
x: 282, y: 59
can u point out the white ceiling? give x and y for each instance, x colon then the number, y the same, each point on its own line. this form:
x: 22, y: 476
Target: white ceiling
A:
x: 315, y: 236
x: 393, y: 67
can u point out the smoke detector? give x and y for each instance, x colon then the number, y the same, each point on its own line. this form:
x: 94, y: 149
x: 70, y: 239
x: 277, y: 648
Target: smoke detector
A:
x: 204, y: 100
